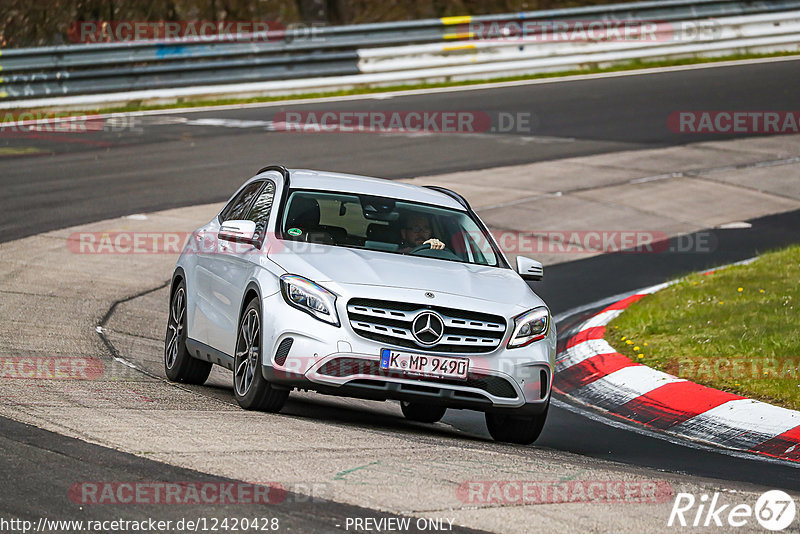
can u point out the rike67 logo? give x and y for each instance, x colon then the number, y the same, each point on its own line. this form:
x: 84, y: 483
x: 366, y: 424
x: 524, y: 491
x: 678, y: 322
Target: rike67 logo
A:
x: 774, y: 510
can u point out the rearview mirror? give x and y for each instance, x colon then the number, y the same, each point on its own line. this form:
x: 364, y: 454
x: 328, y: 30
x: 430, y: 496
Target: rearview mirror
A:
x: 529, y: 269
x: 378, y: 208
x: 239, y: 231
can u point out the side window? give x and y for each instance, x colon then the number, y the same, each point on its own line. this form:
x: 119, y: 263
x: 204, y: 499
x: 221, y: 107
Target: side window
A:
x: 260, y: 211
x: 237, y: 208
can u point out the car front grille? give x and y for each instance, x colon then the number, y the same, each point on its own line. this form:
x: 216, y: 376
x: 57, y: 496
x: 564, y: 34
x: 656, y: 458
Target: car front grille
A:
x: 391, y: 322
x: 343, y: 367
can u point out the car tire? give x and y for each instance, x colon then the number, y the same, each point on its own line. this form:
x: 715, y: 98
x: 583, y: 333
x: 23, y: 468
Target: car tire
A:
x: 179, y: 366
x: 423, y: 413
x: 510, y: 428
x: 252, y: 390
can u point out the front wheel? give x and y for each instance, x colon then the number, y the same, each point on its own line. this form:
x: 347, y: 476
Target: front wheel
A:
x: 179, y: 366
x: 424, y: 413
x: 522, y: 430
x: 252, y: 390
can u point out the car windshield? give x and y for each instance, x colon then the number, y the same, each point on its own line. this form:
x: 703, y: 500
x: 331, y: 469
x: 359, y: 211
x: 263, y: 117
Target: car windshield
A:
x: 385, y: 225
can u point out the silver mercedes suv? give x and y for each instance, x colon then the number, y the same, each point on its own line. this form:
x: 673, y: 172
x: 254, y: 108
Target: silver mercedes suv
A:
x: 366, y: 288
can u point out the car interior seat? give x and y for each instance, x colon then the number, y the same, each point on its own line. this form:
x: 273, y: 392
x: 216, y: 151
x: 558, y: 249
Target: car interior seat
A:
x: 383, y: 232
x: 304, y: 215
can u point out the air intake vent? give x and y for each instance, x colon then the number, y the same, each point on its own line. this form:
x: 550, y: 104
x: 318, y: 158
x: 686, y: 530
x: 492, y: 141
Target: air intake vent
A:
x: 544, y: 383
x: 283, y: 350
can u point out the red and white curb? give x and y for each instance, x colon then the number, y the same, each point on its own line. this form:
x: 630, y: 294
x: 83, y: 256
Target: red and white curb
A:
x: 592, y: 372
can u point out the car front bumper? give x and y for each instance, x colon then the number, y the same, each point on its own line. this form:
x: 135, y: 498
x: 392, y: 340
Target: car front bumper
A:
x: 337, y: 360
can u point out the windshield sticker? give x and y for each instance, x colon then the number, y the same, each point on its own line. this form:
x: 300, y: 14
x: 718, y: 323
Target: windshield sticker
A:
x: 294, y: 231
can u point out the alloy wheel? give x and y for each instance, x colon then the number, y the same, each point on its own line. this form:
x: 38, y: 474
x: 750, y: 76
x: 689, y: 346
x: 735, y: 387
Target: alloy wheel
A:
x: 175, y: 327
x: 247, y: 352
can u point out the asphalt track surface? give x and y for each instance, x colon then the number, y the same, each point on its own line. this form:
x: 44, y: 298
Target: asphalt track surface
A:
x: 159, y: 162
x: 41, y: 468
x: 169, y: 165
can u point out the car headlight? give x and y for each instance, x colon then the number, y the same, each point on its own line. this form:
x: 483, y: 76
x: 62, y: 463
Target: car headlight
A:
x: 312, y: 298
x: 529, y: 327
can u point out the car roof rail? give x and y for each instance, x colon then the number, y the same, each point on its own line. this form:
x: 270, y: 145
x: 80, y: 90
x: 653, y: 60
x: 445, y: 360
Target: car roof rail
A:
x: 277, y: 168
x: 452, y: 194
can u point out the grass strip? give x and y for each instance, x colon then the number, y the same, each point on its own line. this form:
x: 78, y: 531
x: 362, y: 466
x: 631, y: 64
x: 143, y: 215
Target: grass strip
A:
x: 735, y: 329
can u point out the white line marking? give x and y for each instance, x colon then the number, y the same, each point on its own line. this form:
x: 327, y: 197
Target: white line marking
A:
x: 229, y: 123
x: 736, y: 225
x: 601, y: 319
x: 658, y: 287
x: 582, y: 351
x: 743, y: 422
x: 656, y: 177
x: 624, y: 385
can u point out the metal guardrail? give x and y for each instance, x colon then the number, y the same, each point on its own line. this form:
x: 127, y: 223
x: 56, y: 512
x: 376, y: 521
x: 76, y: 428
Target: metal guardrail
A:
x: 374, y: 53
x: 769, y: 31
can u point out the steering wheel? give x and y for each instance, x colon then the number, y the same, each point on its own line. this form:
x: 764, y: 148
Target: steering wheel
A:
x: 419, y: 248
x: 428, y: 252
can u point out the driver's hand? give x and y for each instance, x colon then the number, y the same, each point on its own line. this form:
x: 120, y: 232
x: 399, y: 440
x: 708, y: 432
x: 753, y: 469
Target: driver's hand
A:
x: 434, y: 243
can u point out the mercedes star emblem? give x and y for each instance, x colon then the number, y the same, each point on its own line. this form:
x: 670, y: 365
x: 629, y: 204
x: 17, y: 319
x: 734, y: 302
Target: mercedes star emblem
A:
x: 428, y: 328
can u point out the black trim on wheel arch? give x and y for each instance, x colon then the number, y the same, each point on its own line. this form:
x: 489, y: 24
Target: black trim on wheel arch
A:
x: 179, y: 273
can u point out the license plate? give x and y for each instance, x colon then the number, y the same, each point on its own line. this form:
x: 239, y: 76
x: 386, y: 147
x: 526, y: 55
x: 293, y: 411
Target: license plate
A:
x: 424, y: 365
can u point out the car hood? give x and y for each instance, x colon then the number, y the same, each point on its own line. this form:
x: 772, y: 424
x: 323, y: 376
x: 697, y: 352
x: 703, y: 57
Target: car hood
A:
x: 340, y: 265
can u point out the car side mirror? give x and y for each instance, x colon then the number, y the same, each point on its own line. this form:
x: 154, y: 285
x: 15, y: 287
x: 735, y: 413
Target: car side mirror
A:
x: 239, y: 231
x: 529, y: 269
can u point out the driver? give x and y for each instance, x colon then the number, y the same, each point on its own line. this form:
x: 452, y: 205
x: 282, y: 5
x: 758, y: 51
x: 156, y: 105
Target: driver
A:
x: 415, y: 231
